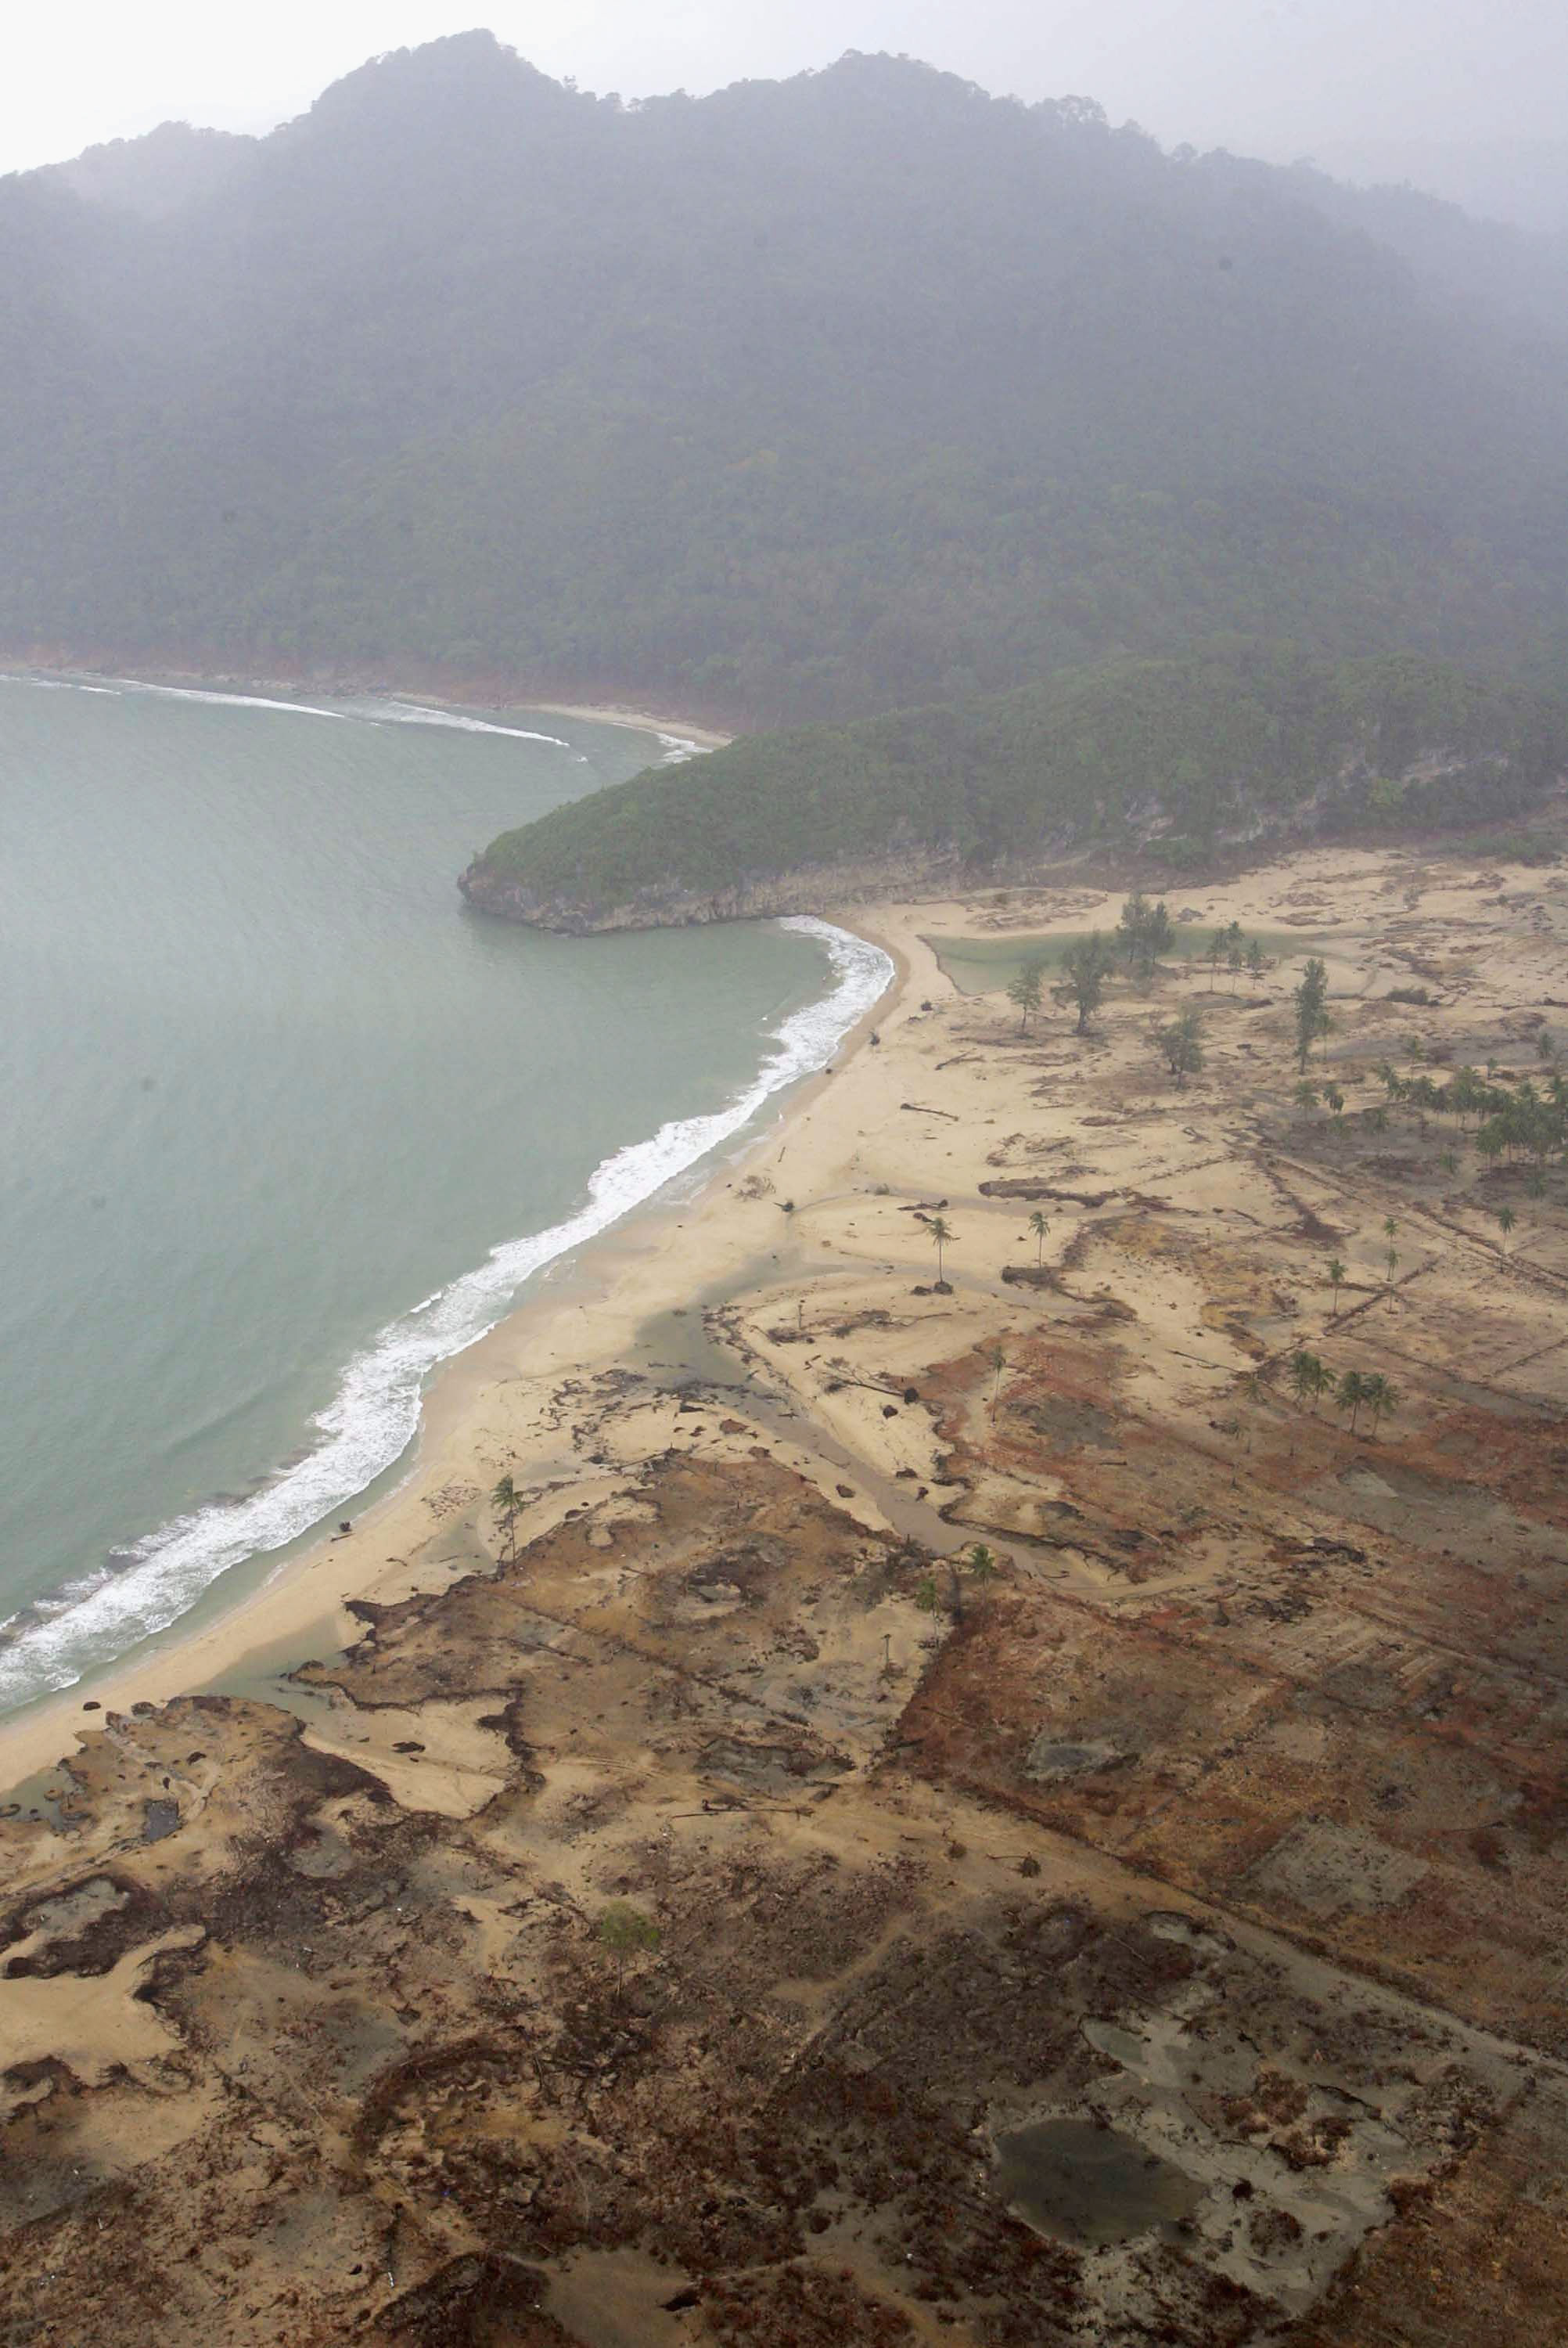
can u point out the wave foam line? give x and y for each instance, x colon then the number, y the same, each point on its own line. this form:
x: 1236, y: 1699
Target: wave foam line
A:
x: 374, y: 1414
x: 232, y: 700
x: 414, y: 713
x: 62, y: 685
x: 678, y: 749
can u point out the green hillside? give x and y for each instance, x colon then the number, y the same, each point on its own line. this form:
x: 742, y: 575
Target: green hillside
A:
x: 1179, y: 752
x: 798, y: 401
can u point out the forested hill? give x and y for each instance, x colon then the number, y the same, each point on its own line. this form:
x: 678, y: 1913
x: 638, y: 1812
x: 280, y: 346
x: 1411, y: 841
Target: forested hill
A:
x: 1171, y: 756
x: 800, y: 400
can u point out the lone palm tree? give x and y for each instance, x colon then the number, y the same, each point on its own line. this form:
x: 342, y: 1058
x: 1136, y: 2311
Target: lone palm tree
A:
x: 1040, y: 1225
x: 941, y: 1233
x: 1336, y: 1280
x: 982, y: 1564
x: 1506, y: 1218
x: 998, y: 1361
x: 507, y: 1501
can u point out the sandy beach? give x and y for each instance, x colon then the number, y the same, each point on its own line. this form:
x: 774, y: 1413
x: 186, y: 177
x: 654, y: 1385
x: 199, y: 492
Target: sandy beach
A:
x: 492, y: 1410
x: 505, y: 1406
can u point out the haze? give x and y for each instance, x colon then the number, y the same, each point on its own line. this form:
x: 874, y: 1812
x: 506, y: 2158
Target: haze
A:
x: 1460, y: 96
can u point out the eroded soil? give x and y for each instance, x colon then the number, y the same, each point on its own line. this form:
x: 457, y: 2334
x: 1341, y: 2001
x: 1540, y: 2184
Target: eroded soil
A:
x: 1162, y: 1940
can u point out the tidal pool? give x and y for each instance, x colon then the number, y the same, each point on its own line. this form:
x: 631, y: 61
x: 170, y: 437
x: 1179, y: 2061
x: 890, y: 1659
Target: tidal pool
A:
x: 1088, y: 2185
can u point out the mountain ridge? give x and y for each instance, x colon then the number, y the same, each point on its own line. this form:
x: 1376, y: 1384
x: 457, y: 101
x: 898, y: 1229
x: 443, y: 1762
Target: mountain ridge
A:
x: 794, y: 402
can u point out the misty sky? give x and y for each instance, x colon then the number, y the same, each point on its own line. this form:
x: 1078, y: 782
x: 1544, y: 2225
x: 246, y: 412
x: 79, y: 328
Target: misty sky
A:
x: 1358, y: 84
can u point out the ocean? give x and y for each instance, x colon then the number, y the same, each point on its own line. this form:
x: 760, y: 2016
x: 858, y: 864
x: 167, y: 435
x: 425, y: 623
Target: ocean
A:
x: 290, y: 1126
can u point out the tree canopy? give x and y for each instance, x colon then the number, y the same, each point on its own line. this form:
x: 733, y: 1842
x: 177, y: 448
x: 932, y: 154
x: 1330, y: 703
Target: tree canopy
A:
x: 796, y: 401
x: 1170, y: 754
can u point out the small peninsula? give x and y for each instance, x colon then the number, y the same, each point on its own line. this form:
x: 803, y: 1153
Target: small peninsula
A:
x: 1172, y: 762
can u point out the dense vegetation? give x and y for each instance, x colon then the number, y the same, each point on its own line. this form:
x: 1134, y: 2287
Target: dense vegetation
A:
x: 1177, y: 753
x: 797, y: 401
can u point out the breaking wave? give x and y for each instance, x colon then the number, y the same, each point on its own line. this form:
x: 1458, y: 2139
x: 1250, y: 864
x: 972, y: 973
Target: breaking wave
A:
x: 374, y: 1414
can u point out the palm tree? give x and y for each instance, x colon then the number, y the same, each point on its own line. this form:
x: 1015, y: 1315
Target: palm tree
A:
x: 1306, y: 1375
x: 1351, y: 1395
x: 941, y: 1233
x: 1040, y: 1225
x: 998, y: 1361
x: 1305, y: 1098
x: 1392, y: 1260
x: 982, y: 1564
x: 1506, y: 1218
x: 1379, y: 1396
x: 1336, y: 1280
x: 507, y: 1500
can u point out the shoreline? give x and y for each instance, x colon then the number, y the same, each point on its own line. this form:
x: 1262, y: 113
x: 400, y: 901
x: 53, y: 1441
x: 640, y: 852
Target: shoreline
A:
x: 470, y: 699
x: 640, y: 1267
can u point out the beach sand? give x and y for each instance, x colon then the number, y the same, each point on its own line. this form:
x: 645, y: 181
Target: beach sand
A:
x: 496, y: 1409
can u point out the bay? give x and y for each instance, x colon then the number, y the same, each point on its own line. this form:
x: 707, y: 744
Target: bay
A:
x: 288, y: 1125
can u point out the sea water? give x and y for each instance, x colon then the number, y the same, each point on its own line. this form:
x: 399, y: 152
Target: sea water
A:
x: 288, y: 1125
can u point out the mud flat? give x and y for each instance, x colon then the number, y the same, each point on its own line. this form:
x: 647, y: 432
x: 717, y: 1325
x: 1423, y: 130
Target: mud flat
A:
x: 1159, y: 1938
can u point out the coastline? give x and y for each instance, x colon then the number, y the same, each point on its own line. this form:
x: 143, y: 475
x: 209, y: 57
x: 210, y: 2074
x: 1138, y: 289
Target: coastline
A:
x: 468, y: 697
x: 588, y: 1315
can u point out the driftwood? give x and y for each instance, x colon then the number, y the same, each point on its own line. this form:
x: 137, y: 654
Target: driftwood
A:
x: 919, y: 1109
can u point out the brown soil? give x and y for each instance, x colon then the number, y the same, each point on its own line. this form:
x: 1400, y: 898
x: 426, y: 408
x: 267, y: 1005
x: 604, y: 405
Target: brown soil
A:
x: 1228, y: 1817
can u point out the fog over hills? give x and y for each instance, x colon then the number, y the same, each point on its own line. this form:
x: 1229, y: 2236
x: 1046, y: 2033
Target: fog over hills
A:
x: 801, y: 399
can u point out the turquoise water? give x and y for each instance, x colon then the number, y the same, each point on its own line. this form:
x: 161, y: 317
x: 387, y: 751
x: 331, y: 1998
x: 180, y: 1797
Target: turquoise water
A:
x: 289, y: 1126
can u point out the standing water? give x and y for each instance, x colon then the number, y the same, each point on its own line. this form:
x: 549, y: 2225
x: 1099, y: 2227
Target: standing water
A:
x: 289, y: 1127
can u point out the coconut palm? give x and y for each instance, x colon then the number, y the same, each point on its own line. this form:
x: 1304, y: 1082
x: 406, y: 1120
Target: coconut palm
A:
x: 1306, y: 1375
x: 1506, y: 1218
x: 1040, y: 1225
x: 1379, y: 1398
x: 507, y: 1501
x: 982, y: 1564
x: 1336, y: 1280
x: 998, y: 1361
x: 1351, y: 1395
x: 941, y: 1233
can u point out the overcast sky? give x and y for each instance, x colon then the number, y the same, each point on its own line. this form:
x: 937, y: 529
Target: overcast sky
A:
x: 1334, y: 78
